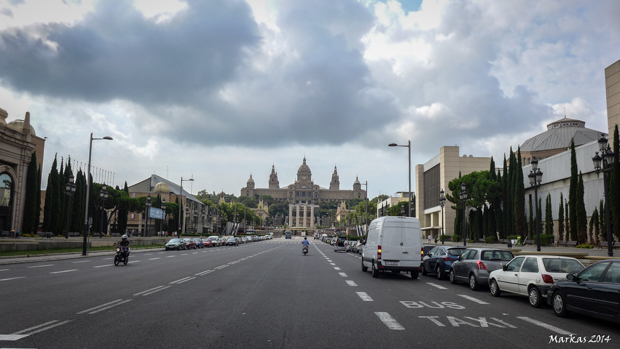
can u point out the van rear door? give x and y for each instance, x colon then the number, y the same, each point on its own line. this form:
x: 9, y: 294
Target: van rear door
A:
x: 391, y: 241
x: 411, y: 240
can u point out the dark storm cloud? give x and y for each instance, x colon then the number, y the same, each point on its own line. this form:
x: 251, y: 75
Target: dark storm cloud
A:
x: 117, y: 53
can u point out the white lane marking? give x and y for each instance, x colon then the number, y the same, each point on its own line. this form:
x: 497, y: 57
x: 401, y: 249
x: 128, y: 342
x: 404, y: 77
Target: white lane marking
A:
x: 364, y: 296
x: 152, y: 259
x: 389, y: 321
x: 133, y: 262
x: 113, y: 303
x: 40, y: 266
x: 170, y: 256
x: 344, y: 275
x: 438, y: 286
x: 184, y: 254
x: 63, y: 271
x: 185, y: 279
x: 107, y: 259
x: 11, y: 337
x: 53, y: 324
x: 329, y: 260
x: 472, y: 299
x: 544, y: 325
x: 194, y: 252
x: 337, y: 268
x: 205, y: 272
x: 80, y: 262
x: 35, y: 327
x: 332, y: 263
x: 111, y: 306
x: 4, y: 269
x: 161, y: 289
x: 147, y: 291
x: 351, y: 283
x: 19, y: 277
x: 148, y: 254
x: 102, y: 266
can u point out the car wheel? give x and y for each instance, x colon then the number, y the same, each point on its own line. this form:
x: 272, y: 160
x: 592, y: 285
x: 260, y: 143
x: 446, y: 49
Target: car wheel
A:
x: 438, y: 272
x: 375, y: 272
x: 559, y: 305
x: 473, y: 283
x: 494, y: 287
x: 452, y: 277
x: 424, y: 270
x: 534, y: 296
x: 364, y: 268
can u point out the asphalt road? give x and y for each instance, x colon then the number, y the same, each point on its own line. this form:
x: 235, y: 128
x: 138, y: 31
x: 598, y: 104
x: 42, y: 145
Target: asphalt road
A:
x: 264, y: 295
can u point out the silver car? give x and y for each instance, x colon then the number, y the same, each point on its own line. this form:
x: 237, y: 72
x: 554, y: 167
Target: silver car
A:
x: 475, y: 265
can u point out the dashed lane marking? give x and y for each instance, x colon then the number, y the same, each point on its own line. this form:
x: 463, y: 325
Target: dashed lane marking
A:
x: 36, y: 329
x: 80, y: 262
x: 332, y: 263
x: 364, y: 296
x: 351, y: 283
x: 103, y: 307
x: 205, y: 272
x: 544, y: 325
x: 152, y: 259
x: 389, y: 321
x: 185, y: 279
x: 4, y: 269
x: 151, y: 291
x: 476, y: 300
x: 438, y: 286
x: 344, y: 275
x: 336, y: 268
x: 19, y: 277
x: 40, y: 266
x: 63, y: 271
x: 103, y: 266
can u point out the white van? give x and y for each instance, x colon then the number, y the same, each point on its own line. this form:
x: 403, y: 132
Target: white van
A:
x: 395, y: 244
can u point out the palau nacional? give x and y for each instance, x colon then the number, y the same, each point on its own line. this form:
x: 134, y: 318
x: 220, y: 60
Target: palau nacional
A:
x: 303, y: 196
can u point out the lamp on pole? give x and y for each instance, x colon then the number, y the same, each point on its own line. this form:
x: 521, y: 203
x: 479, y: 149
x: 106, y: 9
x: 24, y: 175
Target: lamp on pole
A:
x: 181, y: 204
x: 70, y: 189
x: 603, y: 161
x: 535, y: 177
x: 464, y: 196
x: 148, y: 206
x: 367, y: 202
x: 409, y: 149
x: 442, y: 203
x: 86, y: 227
x: 163, y: 216
x: 103, y: 194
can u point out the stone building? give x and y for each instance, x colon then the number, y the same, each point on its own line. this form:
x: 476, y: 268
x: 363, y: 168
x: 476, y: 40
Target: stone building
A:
x: 612, y: 88
x: 18, y: 141
x: 304, y: 195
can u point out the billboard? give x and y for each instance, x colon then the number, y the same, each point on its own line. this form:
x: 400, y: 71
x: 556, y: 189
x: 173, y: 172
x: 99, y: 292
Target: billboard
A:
x: 156, y: 213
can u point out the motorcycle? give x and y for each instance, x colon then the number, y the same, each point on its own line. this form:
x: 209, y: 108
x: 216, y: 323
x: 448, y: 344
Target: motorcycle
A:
x: 122, y: 255
x: 304, y: 250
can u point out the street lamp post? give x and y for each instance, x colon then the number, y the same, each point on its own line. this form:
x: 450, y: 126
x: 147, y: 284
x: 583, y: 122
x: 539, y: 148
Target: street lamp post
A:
x: 86, y: 228
x: 409, y: 149
x: 535, y: 177
x: 603, y: 161
x: 442, y: 203
x: 70, y: 189
x: 148, y: 206
x: 367, y: 202
x: 103, y: 194
x: 163, y: 216
x: 464, y: 196
x: 181, y: 203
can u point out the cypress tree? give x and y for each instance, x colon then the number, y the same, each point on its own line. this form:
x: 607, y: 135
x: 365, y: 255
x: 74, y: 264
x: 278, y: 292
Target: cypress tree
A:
x: 561, y: 219
x: 572, y: 198
x: 539, y: 214
x: 566, y: 222
x: 614, y: 187
x: 548, y: 216
x: 602, y: 222
x: 65, y: 179
x: 485, y: 221
x: 50, y: 220
x: 506, y: 202
x: 594, y: 227
x: 532, y: 225
x: 62, y: 210
x: 499, y: 216
x: 582, y: 216
x: 37, y: 216
x: 520, y: 224
x: 28, y: 220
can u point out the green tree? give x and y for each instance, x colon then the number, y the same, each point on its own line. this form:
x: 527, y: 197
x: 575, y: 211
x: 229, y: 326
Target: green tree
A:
x: 520, y: 224
x: 30, y: 209
x: 602, y: 222
x: 614, y: 187
x: 497, y: 208
x: 582, y: 216
x: 50, y: 219
x: 566, y: 222
x: 548, y: 216
x: 594, y: 227
x: 539, y: 214
x: 561, y: 219
x: 532, y: 225
x: 572, y: 197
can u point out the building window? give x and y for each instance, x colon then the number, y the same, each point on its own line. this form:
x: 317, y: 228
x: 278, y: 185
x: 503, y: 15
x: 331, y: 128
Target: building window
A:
x: 565, y: 124
x: 6, y: 189
x: 133, y: 215
x: 556, y: 126
x: 575, y: 124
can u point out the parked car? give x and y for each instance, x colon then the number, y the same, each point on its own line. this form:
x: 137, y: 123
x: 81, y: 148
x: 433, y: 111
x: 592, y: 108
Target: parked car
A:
x: 215, y: 240
x: 232, y: 242
x: 223, y: 240
x: 339, y: 245
x: 190, y: 243
x: 439, y: 260
x: 595, y: 292
x: 532, y: 276
x: 241, y: 240
x: 207, y: 243
x: 475, y: 265
x: 198, y: 242
x: 175, y: 244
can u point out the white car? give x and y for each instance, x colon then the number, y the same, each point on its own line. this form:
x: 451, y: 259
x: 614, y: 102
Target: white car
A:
x: 532, y: 276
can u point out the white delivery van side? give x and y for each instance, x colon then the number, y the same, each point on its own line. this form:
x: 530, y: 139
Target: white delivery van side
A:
x: 395, y: 244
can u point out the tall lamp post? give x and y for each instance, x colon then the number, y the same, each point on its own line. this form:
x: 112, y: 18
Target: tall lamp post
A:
x: 181, y: 203
x: 464, y: 196
x: 185, y: 219
x: 603, y: 161
x: 367, y: 202
x: 535, y: 177
x: 70, y: 189
x: 163, y: 216
x: 148, y: 207
x: 86, y: 227
x: 409, y: 149
x: 103, y: 194
x: 442, y: 203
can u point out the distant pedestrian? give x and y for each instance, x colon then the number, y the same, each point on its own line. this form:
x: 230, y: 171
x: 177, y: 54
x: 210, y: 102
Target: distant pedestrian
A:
x: 436, y: 238
x: 17, y: 234
x: 13, y: 234
x: 429, y: 239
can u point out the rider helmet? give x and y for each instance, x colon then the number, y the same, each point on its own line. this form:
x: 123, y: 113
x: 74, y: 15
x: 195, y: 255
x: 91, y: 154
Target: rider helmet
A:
x: 124, y: 237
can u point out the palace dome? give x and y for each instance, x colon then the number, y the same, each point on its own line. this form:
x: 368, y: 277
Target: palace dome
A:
x: 162, y: 187
x: 303, y: 167
x: 19, y: 124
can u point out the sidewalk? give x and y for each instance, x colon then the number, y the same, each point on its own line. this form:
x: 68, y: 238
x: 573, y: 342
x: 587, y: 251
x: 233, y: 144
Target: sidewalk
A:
x: 599, y: 252
x: 63, y: 256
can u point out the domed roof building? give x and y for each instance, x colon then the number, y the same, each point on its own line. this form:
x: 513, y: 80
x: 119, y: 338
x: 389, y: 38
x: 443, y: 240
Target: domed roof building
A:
x: 161, y: 188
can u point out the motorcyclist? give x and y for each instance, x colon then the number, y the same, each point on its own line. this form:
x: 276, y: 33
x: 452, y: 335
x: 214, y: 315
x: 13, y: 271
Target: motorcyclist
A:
x: 305, y: 242
x: 125, y: 244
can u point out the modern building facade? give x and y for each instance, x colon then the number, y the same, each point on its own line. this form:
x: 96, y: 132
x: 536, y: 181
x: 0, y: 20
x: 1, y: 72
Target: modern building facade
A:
x: 384, y: 206
x: 435, y: 175
x: 18, y: 141
x: 612, y: 89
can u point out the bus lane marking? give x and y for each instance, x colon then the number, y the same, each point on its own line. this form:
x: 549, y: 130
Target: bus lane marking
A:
x: 544, y: 325
x: 475, y: 300
x: 435, y: 285
x: 389, y: 321
x: 456, y: 322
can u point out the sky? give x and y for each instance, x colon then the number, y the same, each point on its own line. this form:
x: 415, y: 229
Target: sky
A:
x: 218, y: 90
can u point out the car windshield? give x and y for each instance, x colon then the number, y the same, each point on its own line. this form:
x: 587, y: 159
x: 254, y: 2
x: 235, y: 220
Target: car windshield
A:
x: 231, y: 239
x: 496, y: 256
x: 456, y: 251
x: 562, y: 265
x: 174, y: 240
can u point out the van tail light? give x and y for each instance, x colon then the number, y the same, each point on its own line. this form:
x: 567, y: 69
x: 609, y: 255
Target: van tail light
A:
x: 481, y: 265
x: 422, y: 253
x: 547, y: 279
x: 379, y: 252
x: 448, y: 259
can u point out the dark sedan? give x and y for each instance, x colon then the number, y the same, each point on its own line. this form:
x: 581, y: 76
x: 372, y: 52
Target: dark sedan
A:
x: 438, y: 260
x: 595, y: 292
x: 475, y: 265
